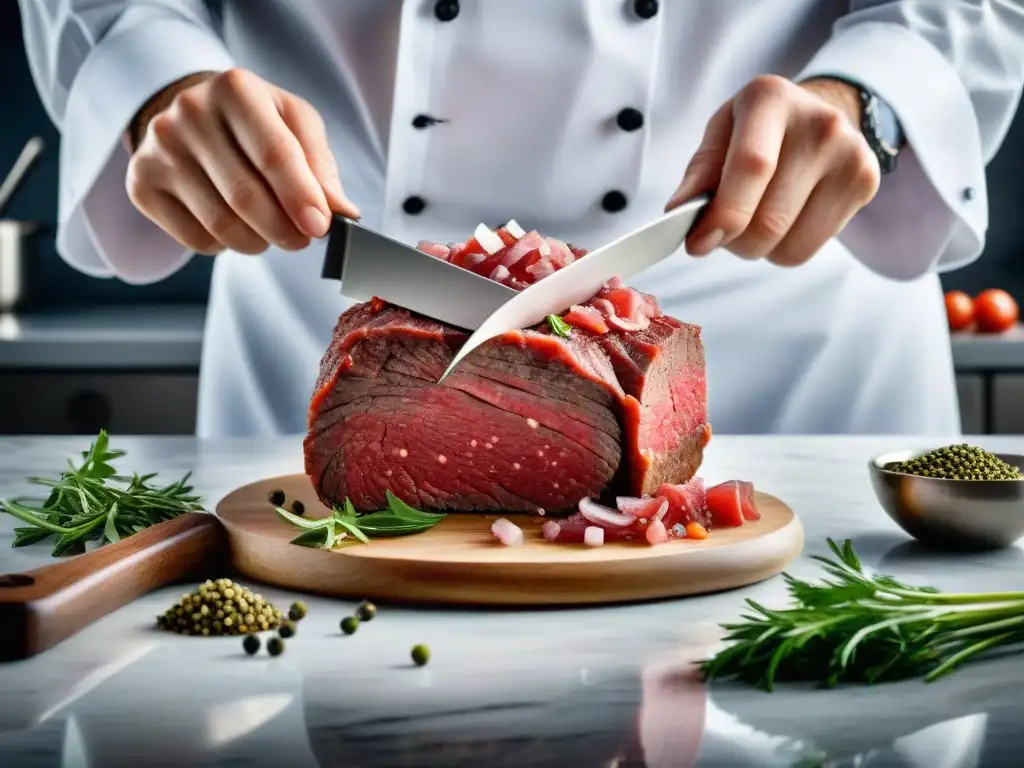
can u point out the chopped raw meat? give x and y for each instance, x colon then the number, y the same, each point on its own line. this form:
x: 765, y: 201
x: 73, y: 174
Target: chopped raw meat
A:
x: 586, y: 318
x: 507, y: 532
x: 731, y: 503
x: 656, y: 533
x: 593, y: 536
x: 435, y: 249
x: 650, y: 508
x: 686, y: 503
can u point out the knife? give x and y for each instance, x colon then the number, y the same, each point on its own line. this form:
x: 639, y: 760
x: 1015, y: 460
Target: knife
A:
x: 370, y: 264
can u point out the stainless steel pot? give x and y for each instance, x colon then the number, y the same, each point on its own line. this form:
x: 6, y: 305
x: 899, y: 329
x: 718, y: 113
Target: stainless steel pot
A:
x: 15, y: 274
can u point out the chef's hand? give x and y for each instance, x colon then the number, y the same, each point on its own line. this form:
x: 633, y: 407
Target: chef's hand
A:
x: 228, y: 160
x: 789, y: 168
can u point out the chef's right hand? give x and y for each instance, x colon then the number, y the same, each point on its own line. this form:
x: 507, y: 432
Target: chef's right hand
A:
x: 227, y: 160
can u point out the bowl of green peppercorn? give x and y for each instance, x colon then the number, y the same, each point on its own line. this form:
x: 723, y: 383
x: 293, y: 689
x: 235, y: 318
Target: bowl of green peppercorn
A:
x: 955, y: 497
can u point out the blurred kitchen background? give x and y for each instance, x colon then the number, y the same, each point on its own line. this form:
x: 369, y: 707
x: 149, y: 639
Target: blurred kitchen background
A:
x: 86, y: 353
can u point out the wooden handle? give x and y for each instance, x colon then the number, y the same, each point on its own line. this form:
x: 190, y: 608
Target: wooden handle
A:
x: 41, y: 608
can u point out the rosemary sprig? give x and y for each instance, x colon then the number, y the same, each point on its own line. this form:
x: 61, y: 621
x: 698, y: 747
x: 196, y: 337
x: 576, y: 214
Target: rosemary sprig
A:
x: 856, y: 627
x: 91, y: 501
x: 399, y: 519
x: 559, y: 327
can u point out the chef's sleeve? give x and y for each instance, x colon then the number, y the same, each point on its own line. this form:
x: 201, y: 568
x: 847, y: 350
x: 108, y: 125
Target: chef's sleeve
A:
x: 95, y: 63
x: 952, y: 71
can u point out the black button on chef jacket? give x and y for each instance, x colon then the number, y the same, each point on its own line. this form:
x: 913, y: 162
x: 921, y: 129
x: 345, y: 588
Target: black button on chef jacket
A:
x: 613, y: 201
x: 630, y: 119
x: 414, y: 205
x: 645, y: 9
x: 446, y: 10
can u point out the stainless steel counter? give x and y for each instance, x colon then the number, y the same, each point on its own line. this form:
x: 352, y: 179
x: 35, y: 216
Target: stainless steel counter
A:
x: 586, y: 687
x: 103, y: 338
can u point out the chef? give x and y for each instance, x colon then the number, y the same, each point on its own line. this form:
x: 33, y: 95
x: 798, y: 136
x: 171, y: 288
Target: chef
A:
x: 846, y: 143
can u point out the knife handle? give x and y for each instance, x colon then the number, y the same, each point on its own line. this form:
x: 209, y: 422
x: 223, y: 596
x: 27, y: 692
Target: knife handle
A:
x: 337, y: 247
x: 43, y: 607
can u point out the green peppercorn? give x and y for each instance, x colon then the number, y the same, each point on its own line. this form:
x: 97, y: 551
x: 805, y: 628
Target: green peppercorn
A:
x: 366, y: 611
x: 251, y: 644
x: 203, y: 612
x: 287, y: 628
x: 275, y: 646
x: 276, y: 497
x: 298, y: 507
x: 297, y: 612
x: 420, y: 655
x: 349, y: 624
x: 958, y: 462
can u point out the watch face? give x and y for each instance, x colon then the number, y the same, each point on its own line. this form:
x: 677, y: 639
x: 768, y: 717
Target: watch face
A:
x: 887, y: 125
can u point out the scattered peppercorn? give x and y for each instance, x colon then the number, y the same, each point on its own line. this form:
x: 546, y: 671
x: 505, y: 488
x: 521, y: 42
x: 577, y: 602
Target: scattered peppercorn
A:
x: 287, y: 628
x: 251, y: 644
x: 349, y: 624
x: 276, y: 497
x: 220, y: 607
x: 298, y: 507
x: 957, y: 462
x: 297, y: 612
x: 275, y: 646
x: 420, y: 655
x: 366, y: 611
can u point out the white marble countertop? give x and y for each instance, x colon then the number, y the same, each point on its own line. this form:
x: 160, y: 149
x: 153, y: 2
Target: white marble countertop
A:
x: 589, y: 687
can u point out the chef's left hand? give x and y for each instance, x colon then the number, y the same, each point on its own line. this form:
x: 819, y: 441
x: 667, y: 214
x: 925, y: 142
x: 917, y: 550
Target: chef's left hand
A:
x: 789, y: 168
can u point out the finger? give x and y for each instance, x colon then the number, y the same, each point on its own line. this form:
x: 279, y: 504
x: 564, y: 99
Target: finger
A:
x: 175, y: 219
x: 240, y: 185
x: 757, y: 136
x: 273, y: 149
x: 198, y: 194
x: 705, y: 168
x: 307, y: 125
x: 827, y: 211
x: 780, y: 207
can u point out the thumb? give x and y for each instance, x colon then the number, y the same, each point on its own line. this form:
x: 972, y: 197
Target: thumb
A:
x: 705, y: 168
x: 308, y: 127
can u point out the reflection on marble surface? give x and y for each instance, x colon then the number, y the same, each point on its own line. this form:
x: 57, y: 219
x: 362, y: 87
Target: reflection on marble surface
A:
x: 590, y: 687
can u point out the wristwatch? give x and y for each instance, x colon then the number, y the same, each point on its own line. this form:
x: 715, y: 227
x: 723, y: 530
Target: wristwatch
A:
x: 881, y: 128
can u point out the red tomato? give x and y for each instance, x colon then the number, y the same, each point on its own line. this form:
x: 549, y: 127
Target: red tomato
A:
x: 959, y: 310
x: 731, y: 503
x: 995, y: 311
x: 587, y: 318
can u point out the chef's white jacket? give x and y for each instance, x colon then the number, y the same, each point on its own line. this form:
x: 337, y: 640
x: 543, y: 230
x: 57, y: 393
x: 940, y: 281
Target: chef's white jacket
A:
x: 853, y: 341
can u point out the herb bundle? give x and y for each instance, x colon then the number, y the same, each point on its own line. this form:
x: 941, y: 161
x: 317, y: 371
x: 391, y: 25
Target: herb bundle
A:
x: 86, y: 502
x: 856, y: 627
x: 559, y: 327
x: 399, y: 519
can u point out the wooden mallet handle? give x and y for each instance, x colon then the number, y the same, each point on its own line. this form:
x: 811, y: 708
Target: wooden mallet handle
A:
x: 43, y: 607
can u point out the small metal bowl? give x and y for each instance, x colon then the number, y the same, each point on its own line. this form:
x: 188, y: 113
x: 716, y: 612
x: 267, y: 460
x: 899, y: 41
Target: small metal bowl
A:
x: 951, y: 514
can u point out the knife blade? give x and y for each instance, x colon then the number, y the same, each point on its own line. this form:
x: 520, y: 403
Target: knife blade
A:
x: 580, y: 281
x: 370, y: 264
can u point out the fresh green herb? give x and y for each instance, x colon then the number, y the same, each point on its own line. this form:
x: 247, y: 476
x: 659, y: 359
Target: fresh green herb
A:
x: 366, y: 611
x: 297, y: 611
x: 349, y: 625
x: 858, y: 627
x: 399, y: 519
x: 559, y: 327
x: 86, y: 503
x: 251, y: 644
x: 287, y: 628
x: 275, y: 646
x: 420, y: 655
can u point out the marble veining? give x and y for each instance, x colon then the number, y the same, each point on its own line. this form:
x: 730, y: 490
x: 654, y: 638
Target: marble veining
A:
x: 588, y: 687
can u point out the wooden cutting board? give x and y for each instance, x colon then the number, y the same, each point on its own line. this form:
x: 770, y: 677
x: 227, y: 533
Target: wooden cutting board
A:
x: 459, y: 561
